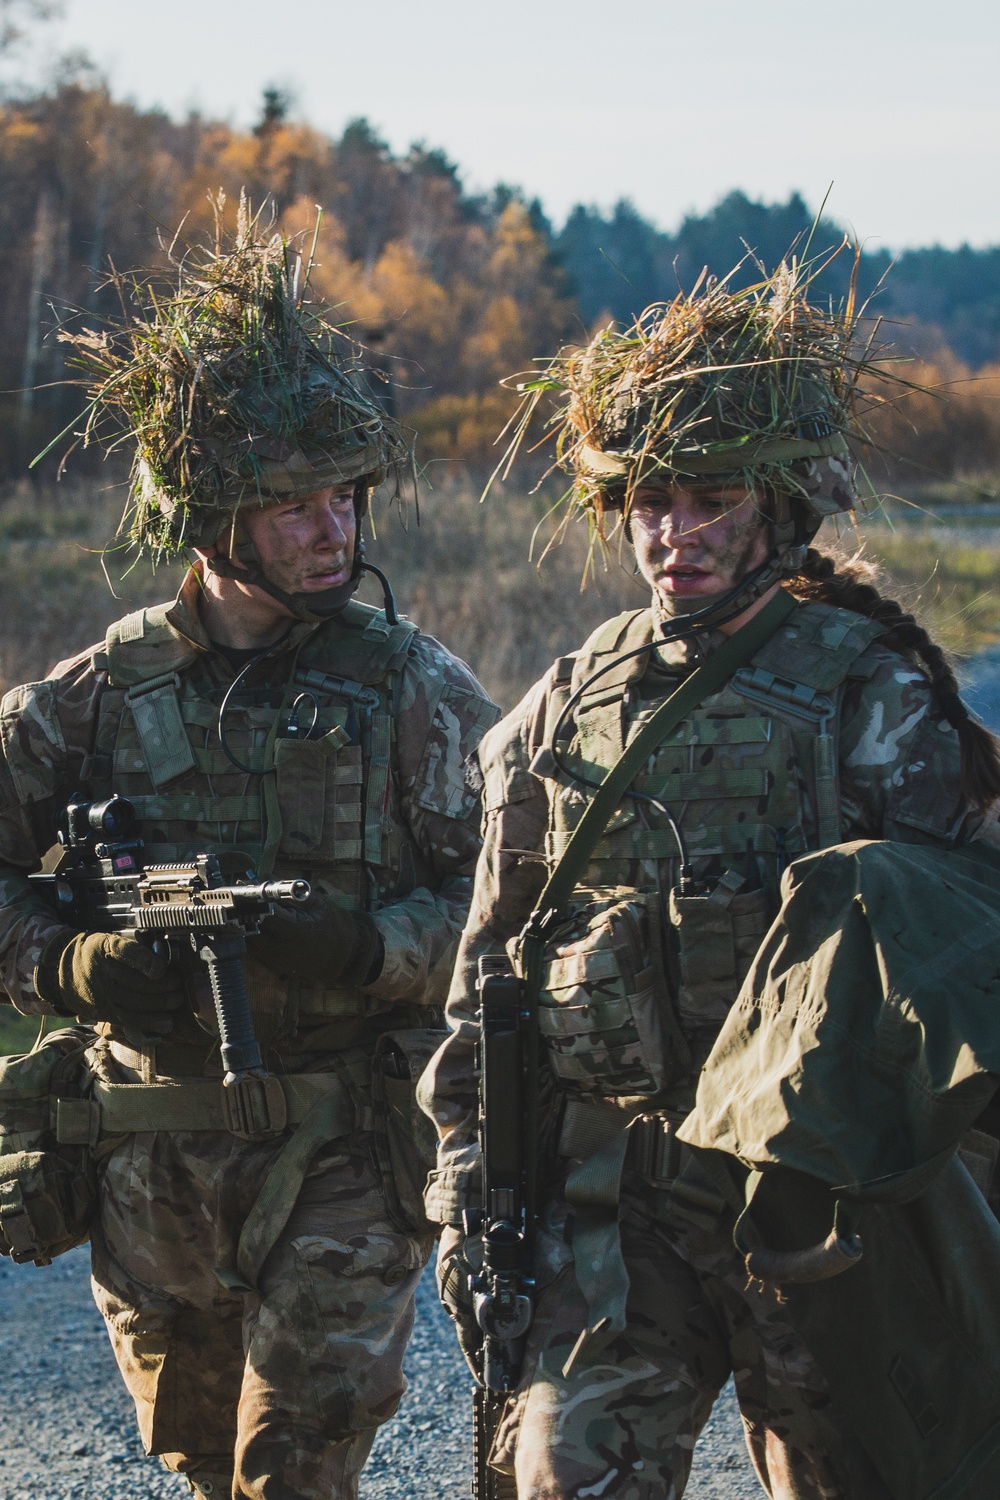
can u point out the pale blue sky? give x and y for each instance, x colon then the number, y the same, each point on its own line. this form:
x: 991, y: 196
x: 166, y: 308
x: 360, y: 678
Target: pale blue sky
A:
x: 669, y: 102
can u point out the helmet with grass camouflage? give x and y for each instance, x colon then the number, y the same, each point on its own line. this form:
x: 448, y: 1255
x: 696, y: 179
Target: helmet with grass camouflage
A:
x: 233, y: 392
x: 757, y: 388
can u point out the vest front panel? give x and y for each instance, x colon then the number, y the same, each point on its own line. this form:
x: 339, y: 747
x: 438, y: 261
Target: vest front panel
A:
x: 749, y: 778
x: 322, y: 806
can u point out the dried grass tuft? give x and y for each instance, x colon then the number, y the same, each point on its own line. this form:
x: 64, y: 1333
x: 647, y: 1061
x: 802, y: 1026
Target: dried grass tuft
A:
x: 219, y: 376
x: 714, y: 381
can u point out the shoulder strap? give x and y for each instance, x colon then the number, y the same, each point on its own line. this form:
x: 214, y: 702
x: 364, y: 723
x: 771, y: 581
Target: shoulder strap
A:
x: 613, y: 638
x: 144, y: 646
x: 362, y: 644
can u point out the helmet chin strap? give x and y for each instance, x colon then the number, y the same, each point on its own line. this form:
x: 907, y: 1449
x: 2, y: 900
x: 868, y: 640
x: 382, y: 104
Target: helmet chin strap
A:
x: 315, y: 607
x: 707, y: 611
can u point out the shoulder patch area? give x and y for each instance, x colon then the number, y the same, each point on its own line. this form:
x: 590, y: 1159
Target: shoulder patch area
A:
x: 507, y: 750
x: 31, y: 737
x: 144, y: 646
x: 445, y: 705
x: 428, y: 654
x: 818, y: 646
x: 926, y: 795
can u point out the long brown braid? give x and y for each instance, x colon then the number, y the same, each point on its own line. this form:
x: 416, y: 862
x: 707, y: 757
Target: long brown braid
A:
x: 851, y: 584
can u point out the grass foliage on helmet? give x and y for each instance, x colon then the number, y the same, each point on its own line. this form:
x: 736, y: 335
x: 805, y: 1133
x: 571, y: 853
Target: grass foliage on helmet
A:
x: 231, y: 388
x: 759, y: 387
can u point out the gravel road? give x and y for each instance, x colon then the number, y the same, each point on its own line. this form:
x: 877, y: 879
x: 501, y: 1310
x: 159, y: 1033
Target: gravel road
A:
x: 66, y: 1426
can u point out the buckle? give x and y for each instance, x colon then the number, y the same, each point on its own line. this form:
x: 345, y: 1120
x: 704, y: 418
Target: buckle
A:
x: 655, y: 1150
x: 255, y: 1108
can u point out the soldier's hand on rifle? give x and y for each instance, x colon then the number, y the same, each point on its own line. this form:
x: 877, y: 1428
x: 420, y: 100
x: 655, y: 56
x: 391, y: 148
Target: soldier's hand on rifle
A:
x: 459, y: 1260
x: 323, y: 941
x: 109, y: 976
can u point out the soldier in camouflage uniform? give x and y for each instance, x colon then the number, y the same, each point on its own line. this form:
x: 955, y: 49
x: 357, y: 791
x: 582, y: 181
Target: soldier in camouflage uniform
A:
x: 842, y: 726
x: 267, y: 717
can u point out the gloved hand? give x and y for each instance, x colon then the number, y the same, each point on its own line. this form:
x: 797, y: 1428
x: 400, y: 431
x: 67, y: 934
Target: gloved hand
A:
x: 459, y: 1259
x: 109, y: 976
x: 322, y: 941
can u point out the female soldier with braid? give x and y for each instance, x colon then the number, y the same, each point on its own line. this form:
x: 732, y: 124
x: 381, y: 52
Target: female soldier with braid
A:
x: 720, y: 427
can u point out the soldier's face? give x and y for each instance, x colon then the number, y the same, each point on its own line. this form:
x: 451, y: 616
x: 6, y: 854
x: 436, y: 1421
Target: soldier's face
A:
x: 306, y: 544
x: 695, y: 541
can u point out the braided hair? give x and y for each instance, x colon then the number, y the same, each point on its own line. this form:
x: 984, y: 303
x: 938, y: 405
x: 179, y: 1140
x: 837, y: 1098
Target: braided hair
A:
x: 851, y: 584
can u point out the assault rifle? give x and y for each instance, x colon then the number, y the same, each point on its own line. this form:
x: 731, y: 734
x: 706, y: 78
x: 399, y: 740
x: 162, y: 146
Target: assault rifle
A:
x: 100, y: 883
x: 504, y: 1289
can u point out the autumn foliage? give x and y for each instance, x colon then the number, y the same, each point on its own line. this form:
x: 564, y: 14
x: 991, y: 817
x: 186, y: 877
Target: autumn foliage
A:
x: 451, y: 292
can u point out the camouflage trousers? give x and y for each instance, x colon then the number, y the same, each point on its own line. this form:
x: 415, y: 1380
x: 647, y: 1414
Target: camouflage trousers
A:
x: 275, y: 1396
x: 624, y: 1421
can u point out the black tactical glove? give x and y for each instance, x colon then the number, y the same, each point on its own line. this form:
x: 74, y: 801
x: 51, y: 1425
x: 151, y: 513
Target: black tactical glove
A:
x: 109, y: 976
x: 324, y: 942
x: 459, y: 1259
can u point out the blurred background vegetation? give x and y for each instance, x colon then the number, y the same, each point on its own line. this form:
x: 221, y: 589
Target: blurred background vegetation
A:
x: 450, y: 291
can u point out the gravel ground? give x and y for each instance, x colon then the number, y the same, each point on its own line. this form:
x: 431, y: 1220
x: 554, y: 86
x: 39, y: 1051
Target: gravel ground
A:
x: 67, y: 1432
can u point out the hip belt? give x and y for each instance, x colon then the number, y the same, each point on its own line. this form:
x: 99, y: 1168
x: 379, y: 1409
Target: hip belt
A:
x: 311, y: 1109
x: 253, y: 1110
x: 653, y: 1149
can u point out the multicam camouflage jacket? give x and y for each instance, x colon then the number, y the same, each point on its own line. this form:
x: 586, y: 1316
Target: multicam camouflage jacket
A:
x: 825, y: 736
x: 353, y: 735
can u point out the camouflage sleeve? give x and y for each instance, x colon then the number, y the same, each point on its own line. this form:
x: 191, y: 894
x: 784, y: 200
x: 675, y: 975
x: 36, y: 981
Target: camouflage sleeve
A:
x: 442, y: 715
x: 45, y: 734
x: 900, y: 762
x: 509, y: 879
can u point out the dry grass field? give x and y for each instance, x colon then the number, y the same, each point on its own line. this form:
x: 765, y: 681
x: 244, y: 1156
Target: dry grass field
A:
x: 463, y: 573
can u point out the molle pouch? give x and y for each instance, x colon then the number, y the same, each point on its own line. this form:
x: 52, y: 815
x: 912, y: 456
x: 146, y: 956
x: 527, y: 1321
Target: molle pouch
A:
x: 717, y: 938
x: 405, y: 1138
x: 48, y: 1186
x: 319, y: 796
x: 603, y: 1010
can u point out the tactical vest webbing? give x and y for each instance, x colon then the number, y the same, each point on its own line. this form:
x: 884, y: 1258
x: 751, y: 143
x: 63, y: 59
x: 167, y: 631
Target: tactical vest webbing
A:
x: 319, y: 735
x: 752, y: 773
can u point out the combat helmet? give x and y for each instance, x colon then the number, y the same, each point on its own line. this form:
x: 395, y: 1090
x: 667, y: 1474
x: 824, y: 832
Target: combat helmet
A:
x: 233, y: 391
x: 756, y: 387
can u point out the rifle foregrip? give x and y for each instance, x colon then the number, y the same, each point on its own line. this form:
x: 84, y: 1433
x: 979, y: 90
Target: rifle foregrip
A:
x: 240, y: 1051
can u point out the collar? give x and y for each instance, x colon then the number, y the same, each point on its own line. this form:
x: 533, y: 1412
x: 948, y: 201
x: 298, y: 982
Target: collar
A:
x: 687, y: 651
x: 184, y: 616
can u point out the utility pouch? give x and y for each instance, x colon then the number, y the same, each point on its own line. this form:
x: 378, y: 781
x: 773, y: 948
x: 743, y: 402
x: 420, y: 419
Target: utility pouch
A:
x: 405, y: 1138
x: 603, y: 999
x: 48, y: 1183
x: 718, y: 936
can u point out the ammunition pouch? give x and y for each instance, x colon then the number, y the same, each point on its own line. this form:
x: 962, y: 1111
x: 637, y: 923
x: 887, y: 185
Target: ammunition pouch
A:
x: 604, y: 1012
x: 405, y: 1138
x: 718, y: 935
x: 48, y: 1185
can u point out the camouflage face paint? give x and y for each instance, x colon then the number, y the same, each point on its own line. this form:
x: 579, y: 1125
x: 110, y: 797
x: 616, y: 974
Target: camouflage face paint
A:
x: 694, y: 543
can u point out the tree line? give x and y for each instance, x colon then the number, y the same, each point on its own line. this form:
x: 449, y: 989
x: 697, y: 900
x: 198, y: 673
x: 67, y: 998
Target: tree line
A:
x: 450, y: 291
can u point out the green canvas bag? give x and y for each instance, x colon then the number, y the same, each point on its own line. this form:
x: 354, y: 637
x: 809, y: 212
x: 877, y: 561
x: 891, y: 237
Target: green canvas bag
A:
x: 864, y: 1045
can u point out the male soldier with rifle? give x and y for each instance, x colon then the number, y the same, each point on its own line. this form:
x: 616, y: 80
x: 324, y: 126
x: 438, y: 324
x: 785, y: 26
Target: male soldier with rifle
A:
x: 258, y: 1241
x: 640, y: 806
